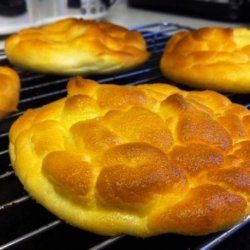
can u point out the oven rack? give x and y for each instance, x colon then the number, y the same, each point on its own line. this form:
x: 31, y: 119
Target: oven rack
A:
x: 24, y: 224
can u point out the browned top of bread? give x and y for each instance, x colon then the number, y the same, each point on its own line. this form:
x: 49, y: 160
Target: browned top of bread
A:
x: 142, y: 160
x: 9, y: 91
x: 209, y: 58
x: 76, y: 46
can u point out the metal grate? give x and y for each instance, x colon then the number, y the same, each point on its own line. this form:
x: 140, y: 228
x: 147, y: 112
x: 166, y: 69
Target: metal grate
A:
x: 24, y: 224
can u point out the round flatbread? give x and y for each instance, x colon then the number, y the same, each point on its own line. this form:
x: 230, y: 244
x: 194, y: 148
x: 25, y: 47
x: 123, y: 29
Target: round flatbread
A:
x: 76, y: 46
x: 141, y: 160
x: 209, y: 58
x: 9, y: 91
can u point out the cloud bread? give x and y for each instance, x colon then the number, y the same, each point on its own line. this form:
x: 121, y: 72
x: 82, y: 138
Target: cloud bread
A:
x: 209, y: 58
x: 9, y: 91
x: 76, y: 46
x: 141, y: 160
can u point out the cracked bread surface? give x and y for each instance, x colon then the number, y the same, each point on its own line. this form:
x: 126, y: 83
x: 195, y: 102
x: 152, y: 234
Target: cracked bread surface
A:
x: 76, y: 46
x: 209, y: 58
x: 141, y: 160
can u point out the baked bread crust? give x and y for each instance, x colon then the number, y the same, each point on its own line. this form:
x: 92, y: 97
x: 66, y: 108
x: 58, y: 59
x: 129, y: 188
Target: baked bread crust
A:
x: 9, y: 91
x: 141, y: 160
x: 76, y: 46
x: 209, y: 58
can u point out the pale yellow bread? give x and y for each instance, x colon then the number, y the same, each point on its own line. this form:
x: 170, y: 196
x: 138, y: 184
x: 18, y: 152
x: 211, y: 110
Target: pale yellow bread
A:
x: 76, y: 46
x: 140, y: 160
x: 9, y: 91
x: 209, y: 58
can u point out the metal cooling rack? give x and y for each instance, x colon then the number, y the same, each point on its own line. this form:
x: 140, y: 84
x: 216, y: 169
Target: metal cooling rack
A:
x: 24, y: 224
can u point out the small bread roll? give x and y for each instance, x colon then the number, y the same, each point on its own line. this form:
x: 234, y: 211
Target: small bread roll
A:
x: 141, y: 160
x: 76, y: 46
x: 9, y: 91
x: 209, y: 58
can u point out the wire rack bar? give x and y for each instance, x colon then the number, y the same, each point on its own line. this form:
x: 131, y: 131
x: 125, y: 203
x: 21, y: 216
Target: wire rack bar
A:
x: 14, y: 202
x: 213, y: 242
x: 30, y: 235
x: 107, y: 242
x: 7, y: 174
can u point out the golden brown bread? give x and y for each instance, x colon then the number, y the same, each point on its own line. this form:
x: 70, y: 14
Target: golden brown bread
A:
x: 9, y: 91
x: 141, y: 160
x: 209, y: 58
x: 76, y: 46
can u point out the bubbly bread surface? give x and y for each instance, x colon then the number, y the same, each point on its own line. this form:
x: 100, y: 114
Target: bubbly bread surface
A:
x: 9, y: 91
x: 76, y: 46
x: 141, y: 160
x: 209, y: 58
